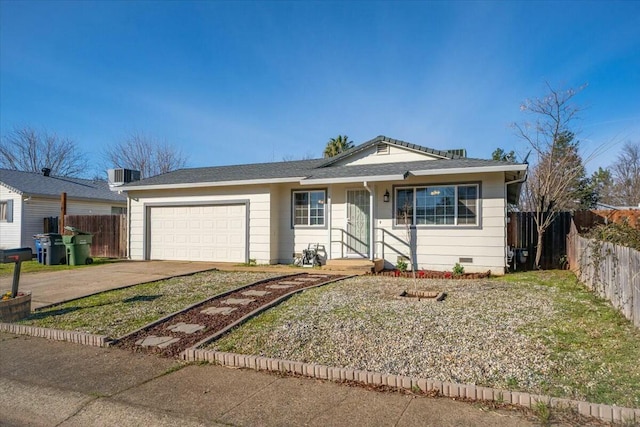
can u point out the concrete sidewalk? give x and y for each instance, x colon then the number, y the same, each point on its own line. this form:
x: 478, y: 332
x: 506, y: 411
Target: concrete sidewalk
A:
x: 53, y: 287
x: 49, y: 383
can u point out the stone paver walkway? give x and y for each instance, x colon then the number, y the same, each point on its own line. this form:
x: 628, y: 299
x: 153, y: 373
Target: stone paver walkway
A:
x: 154, y: 341
x: 187, y: 328
x: 219, y: 310
x: 238, y: 301
x: 190, y: 327
x: 280, y: 286
x: 256, y: 293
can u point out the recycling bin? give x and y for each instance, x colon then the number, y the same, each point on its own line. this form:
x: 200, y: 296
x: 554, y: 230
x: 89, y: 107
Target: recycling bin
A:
x: 53, y: 249
x: 38, y: 244
x: 78, y: 246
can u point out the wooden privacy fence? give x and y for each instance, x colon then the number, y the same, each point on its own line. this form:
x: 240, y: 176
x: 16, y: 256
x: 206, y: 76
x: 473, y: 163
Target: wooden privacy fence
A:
x: 611, y: 271
x: 522, y: 233
x: 109, y: 233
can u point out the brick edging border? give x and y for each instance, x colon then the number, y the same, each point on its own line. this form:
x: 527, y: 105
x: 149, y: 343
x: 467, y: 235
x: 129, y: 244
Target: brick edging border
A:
x: 56, y: 334
x: 449, y: 389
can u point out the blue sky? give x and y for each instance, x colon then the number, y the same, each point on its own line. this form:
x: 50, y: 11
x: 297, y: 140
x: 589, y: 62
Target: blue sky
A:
x: 245, y: 82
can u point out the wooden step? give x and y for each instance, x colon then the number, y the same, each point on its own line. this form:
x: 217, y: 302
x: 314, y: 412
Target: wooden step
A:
x: 354, y: 265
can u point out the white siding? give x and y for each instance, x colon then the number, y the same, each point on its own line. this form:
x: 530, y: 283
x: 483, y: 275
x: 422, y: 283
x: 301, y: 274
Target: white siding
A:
x: 294, y: 240
x: 36, y: 209
x: 440, y: 248
x: 10, y: 231
x: 258, y: 206
x: 396, y: 154
x: 272, y: 238
x: 437, y: 248
x: 275, y: 226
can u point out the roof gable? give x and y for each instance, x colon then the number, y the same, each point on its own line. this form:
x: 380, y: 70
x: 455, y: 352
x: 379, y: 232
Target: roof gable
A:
x: 31, y: 183
x: 398, y: 151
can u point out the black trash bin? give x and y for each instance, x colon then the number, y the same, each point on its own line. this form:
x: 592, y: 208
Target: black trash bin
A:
x: 53, y: 249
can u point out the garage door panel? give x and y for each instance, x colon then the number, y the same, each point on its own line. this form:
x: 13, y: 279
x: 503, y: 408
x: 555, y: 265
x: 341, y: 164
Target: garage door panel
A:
x: 198, y: 233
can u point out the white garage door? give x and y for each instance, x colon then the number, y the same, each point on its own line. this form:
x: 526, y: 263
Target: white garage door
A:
x: 198, y: 233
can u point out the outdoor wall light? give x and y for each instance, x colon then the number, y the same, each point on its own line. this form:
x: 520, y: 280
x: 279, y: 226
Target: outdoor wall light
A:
x: 386, y: 196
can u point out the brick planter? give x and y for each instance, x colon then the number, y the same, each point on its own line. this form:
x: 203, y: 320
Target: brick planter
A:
x: 430, y: 274
x: 17, y: 308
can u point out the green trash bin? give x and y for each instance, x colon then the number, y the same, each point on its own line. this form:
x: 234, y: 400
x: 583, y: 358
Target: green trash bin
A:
x: 78, y: 246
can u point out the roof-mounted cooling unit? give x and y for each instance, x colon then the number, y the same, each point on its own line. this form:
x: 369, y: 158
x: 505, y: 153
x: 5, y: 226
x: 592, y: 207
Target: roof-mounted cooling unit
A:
x: 460, y: 152
x: 119, y: 177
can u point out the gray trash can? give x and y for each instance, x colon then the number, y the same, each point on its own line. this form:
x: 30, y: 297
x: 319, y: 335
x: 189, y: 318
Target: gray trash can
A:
x: 53, y: 249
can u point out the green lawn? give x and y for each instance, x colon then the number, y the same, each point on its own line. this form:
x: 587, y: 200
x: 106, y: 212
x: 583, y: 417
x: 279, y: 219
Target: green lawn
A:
x: 34, y: 267
x: 596, y: 347
x: 115, y: 313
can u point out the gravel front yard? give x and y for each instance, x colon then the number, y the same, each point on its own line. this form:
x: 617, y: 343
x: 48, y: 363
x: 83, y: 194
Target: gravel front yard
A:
x: 489, y: 332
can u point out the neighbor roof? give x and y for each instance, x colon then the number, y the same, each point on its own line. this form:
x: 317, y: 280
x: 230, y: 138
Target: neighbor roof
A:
x: 36, y: 184
x: 323, y: 171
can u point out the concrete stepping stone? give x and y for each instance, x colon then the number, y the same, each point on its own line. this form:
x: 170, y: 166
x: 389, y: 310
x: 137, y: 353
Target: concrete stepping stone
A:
x: 306, y: 279
x: 279, y: 286
x: 253, y: 293
x: 154, y: 341
x: 219, y: 310
x: 288, y: 282
x: 187, y: 328
x: 238, y: 301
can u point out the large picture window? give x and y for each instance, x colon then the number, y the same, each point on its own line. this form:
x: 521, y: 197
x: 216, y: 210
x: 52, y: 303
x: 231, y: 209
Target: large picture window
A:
x: 437, y: 205
x: 308, y: 208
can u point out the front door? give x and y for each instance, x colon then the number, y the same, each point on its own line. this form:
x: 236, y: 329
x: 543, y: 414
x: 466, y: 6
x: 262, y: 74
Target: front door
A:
x: 358, y: 223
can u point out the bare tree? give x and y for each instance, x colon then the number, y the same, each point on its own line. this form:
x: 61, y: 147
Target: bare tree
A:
x: 558, y: 169
x: 626, y: 176
x: 145, y: 154
x: 30, y: 150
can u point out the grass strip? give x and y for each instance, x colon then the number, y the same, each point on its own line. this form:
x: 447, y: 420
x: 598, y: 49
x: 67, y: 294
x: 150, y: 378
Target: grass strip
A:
x: 115, y: 313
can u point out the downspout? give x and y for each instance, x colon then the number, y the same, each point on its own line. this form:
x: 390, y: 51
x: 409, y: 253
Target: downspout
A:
x: 329, y: 221
x: 371, y: 234
x: 128, y: 226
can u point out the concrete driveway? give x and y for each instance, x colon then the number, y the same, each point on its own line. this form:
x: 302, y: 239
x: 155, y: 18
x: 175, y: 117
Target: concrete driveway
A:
x: 58, y: 286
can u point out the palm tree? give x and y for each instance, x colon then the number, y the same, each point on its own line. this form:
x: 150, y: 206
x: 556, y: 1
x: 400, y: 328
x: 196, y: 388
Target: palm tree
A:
x: 337, y: 145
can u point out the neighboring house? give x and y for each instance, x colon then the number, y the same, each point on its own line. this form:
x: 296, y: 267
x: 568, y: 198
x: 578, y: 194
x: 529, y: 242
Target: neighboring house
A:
x: 26, y: 198
x: 355, y: 204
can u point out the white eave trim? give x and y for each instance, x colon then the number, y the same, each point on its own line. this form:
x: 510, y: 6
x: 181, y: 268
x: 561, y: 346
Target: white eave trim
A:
x: 349, y: 179
x: 13, y: 189
x: 473, y: 169
x: 208, y: 184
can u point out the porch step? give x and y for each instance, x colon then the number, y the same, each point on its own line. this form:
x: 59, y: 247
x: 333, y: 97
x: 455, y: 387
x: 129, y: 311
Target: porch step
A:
x: 354, y: 265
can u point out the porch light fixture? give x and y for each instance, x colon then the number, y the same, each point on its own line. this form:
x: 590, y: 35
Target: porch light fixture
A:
x: 386, y: 196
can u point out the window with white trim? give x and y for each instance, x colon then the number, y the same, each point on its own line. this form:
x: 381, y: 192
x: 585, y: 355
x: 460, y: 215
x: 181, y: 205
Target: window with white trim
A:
x: 308, y: 208
x: 6, y: 210
x: 437, y: 205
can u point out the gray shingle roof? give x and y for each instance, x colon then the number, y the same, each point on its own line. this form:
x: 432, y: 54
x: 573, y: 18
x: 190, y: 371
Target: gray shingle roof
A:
x: 382, y: 138
x: 31, y: 183
x: 299, y: 168
x: 314, y: 168
x: 398, y: 168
